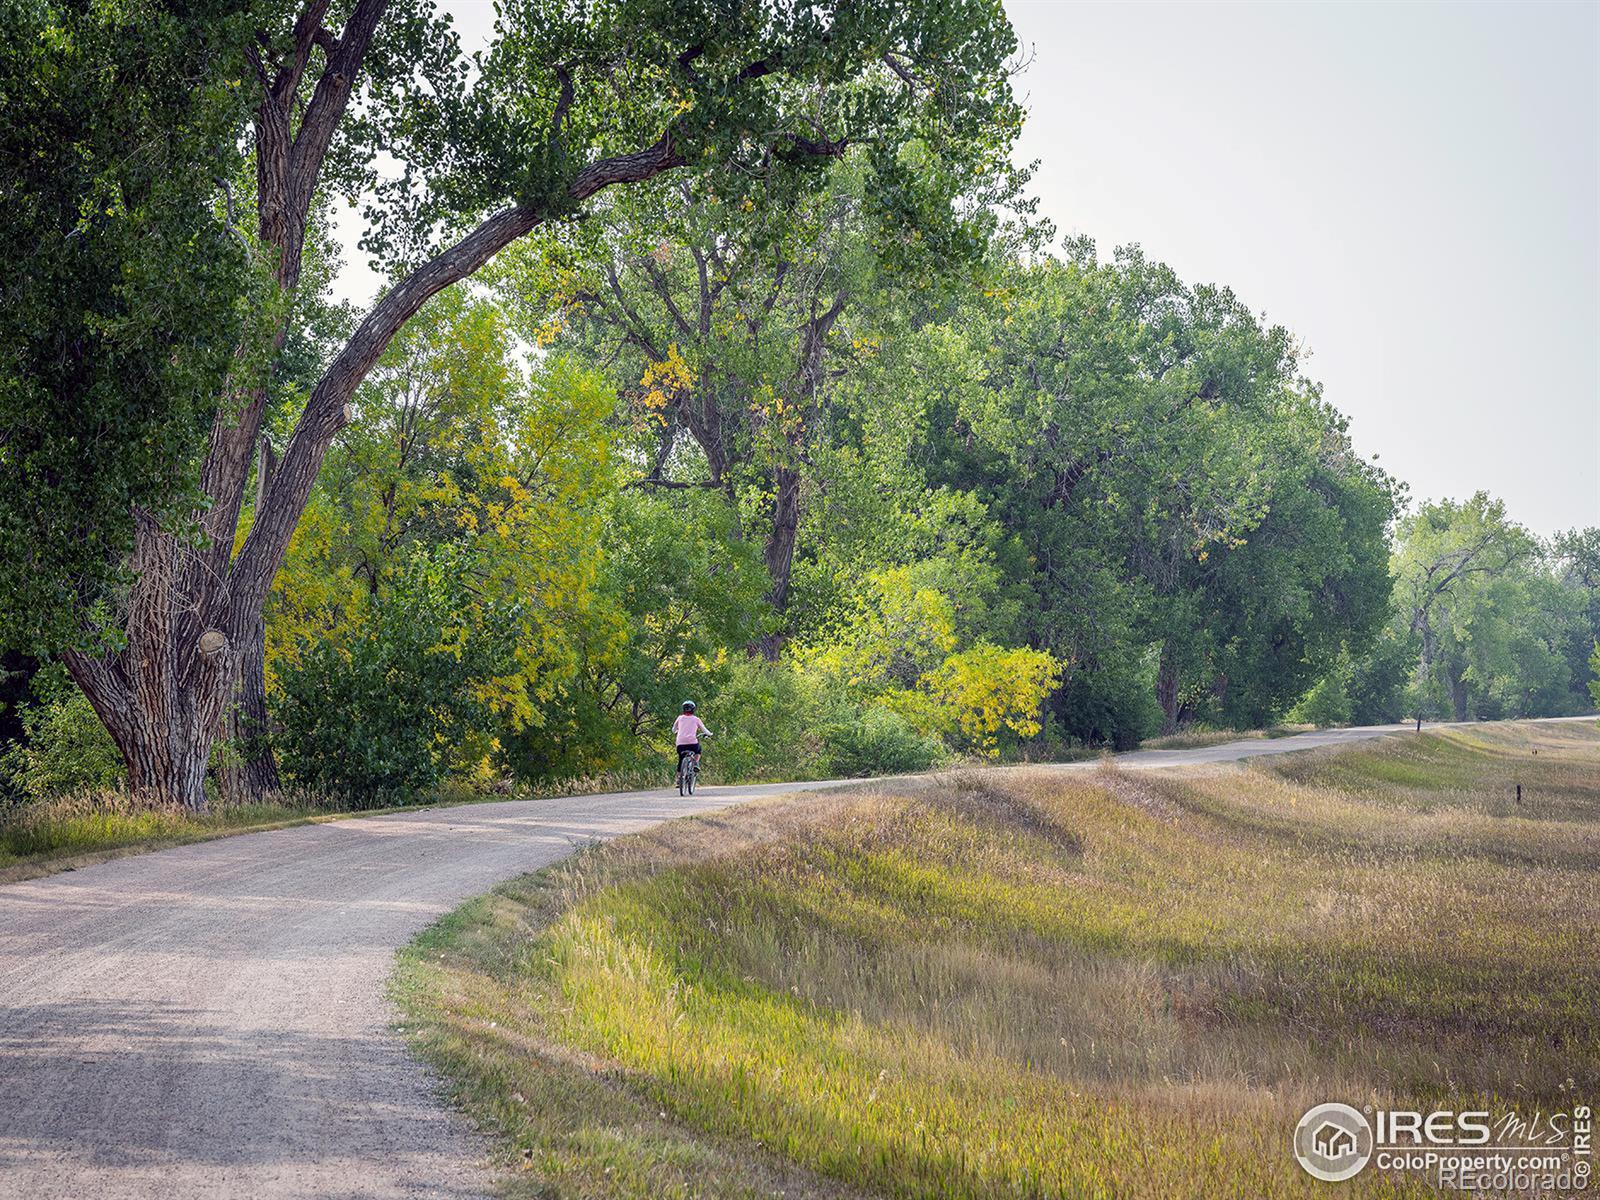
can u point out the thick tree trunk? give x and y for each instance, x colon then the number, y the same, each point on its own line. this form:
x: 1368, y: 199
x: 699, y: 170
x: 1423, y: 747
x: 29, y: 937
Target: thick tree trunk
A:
x: 1458, y: 696
x: 260, y: 766
x: 779, y: 552
x: 251, y: 774
x: 168, y: 766
x: 1167, y: 690
x: 162, y: 696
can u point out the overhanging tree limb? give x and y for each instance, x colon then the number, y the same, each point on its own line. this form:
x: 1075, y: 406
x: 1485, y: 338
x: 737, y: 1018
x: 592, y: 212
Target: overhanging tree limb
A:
x: 325, y: 413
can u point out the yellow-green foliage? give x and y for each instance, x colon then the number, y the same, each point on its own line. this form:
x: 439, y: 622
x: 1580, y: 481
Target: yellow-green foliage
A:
x: 454, y: 444
x: 989, y: 691
x: 900, y: 646
x: 1039, y: 983
x: 898, y: 627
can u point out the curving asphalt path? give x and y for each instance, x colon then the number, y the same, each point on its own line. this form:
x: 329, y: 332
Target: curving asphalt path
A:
x: 209, y: 1021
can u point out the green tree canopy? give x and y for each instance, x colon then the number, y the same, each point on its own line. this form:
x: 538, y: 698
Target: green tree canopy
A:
x: 126, y: 299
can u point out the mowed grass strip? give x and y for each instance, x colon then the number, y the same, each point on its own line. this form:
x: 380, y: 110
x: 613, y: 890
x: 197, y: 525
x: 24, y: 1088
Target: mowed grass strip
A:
x: 1034, y: 983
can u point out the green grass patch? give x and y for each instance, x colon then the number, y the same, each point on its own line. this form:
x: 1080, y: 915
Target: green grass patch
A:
x: 1198, y: 738
x: 1032, y: 984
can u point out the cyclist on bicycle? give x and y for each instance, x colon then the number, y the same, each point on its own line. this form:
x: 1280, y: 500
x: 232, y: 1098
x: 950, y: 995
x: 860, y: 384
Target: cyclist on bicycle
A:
x: 688, y: 729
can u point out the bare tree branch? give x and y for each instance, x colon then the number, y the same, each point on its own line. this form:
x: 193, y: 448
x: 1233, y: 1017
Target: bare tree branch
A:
x: 331, y: 97
x: 293, y: 68
x: 662, y: 287
x: 900, y: 69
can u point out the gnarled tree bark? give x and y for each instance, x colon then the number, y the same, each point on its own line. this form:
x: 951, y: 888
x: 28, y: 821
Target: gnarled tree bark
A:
x: 250, y: 773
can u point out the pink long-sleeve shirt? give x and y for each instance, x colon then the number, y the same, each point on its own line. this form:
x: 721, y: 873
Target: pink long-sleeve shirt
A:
x: 688, y: 728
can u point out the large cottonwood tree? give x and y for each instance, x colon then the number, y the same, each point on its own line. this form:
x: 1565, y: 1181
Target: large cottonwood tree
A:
x: 1460, y: 572
x: 1175, y: 494
x: 730, y: 323
x: 571, y: 99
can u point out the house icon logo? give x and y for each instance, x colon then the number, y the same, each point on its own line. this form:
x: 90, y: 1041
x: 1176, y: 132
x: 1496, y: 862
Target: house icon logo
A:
x: 1333, y: 1142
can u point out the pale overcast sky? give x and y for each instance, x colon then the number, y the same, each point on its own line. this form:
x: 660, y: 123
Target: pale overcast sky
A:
x: 1413, y: 189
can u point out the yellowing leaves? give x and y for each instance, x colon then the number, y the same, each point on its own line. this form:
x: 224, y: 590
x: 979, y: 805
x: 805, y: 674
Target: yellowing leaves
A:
x: 988, y: 689
x: 663, y: 382
x: 457, y: 454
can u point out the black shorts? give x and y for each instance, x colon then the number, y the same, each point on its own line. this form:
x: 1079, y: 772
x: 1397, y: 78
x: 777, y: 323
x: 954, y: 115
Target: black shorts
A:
x: 691, y: 748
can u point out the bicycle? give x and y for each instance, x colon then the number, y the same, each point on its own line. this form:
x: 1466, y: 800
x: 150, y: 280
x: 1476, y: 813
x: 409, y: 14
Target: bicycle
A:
x: 688, y: 768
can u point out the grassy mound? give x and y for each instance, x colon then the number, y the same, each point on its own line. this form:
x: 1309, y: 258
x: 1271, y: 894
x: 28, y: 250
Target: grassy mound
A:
x: 1036, y: 982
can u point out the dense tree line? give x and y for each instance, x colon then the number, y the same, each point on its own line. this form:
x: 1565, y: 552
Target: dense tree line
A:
x: 1489, y: 621
x: 725, y: 358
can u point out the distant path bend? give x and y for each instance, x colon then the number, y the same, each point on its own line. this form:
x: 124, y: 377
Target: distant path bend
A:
x: 209, y: 1021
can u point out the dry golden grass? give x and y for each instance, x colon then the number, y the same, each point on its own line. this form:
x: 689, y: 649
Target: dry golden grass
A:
x: 1195, y: 739
x: 1037, y: 983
